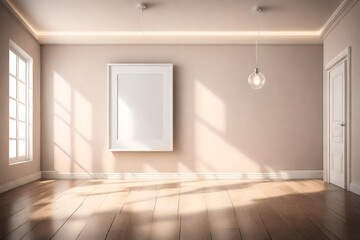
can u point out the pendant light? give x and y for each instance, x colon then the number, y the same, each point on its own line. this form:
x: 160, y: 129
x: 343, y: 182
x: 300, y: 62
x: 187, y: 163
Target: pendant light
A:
x: 257, y: 79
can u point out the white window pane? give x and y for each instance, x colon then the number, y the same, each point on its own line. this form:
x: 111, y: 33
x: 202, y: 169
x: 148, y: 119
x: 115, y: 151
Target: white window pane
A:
x: 12, y: 148
x: 22, y: 130
x: 12, y: 63
x: 22, y: 92
x: 12, y: 128
x: 12, y: 87
x: 22, y: 70
x: 22, y: 112
x: 22, y: 148
x: 12, y: 108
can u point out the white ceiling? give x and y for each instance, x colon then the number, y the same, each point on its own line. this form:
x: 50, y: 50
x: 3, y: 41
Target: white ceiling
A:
x: 114, y: 17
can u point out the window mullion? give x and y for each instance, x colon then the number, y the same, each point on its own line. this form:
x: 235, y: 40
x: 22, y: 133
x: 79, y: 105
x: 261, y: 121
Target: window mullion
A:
x: 17, y: 107
x: 12, y: 75
x: 26, y: 111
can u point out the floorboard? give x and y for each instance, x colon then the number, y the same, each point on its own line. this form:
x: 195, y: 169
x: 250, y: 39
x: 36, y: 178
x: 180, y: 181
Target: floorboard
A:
x: 194, y: 223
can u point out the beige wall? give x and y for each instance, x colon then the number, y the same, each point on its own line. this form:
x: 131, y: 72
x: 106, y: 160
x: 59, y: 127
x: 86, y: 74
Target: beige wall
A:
x: 11, y: 29
x: 345, y: 34
x: 220, y: 123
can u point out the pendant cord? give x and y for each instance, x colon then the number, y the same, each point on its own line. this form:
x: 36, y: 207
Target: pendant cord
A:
x: 257, y: 39
x: 141, y: 19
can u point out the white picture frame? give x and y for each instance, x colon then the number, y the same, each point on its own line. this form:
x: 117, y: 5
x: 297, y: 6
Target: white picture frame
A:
x: 140, y: 107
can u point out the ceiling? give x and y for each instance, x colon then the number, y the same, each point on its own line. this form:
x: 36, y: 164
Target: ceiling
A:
x: 60, y: 18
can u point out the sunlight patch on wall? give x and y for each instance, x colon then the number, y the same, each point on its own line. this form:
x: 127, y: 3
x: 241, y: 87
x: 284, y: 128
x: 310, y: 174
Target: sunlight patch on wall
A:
x: 83, y: 116
x: 212, y: 149
x: 148, y: 168
x: 211, y: 145
x: 62, y: 135
x: 181, y: 167
x: 62, y: 121
x: 62, y: 92
x: 82, y: 154
x: 61, y: 112
x: 62, y: 160
x: 82, y: 133
x: 209, y: 107
x: 72, y: 119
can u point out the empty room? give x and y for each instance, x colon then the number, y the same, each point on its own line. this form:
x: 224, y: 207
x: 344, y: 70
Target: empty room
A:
x: 181, y: 119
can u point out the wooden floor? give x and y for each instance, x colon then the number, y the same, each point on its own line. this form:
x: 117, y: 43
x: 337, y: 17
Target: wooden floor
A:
x: 203, y: 209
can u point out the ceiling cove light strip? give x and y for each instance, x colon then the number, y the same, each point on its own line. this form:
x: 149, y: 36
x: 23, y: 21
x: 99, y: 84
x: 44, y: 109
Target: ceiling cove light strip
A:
x: 177, y: 37
x: 188, y: 33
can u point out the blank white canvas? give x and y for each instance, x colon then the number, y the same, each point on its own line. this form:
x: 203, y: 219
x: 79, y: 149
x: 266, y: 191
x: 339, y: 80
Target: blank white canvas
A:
x: 141, y: 102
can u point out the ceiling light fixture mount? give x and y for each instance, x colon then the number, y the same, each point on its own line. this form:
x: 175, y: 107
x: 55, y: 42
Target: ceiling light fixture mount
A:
x: 258, y: 9
x: 257, y: 79
x: 141, y: 6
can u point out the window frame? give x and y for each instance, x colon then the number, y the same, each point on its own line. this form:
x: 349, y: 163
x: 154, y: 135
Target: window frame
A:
x: 28, y: 103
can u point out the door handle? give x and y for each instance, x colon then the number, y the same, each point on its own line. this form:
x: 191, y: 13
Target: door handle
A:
x: 342, y: 124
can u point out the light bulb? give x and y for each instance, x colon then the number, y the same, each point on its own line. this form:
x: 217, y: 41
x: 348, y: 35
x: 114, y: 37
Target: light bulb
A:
x: 256, y: 79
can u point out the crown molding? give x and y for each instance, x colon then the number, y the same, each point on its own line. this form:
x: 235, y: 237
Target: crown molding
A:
x: 335, y: 18
x: 13, y: 11
x: 184, y: 38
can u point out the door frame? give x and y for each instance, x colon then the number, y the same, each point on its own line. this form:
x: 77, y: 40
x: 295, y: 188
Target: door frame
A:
x: 343, y: 57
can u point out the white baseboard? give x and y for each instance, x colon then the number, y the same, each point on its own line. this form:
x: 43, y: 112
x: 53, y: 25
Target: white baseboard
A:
x: 19, y: 182
x: 355, y: 188
x: 307, y: 174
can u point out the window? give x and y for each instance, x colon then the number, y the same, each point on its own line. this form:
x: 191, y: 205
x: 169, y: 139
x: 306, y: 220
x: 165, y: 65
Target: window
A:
x: 20, y: 105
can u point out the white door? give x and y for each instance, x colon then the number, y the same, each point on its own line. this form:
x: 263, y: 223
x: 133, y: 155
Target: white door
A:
x: 337, y: 125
